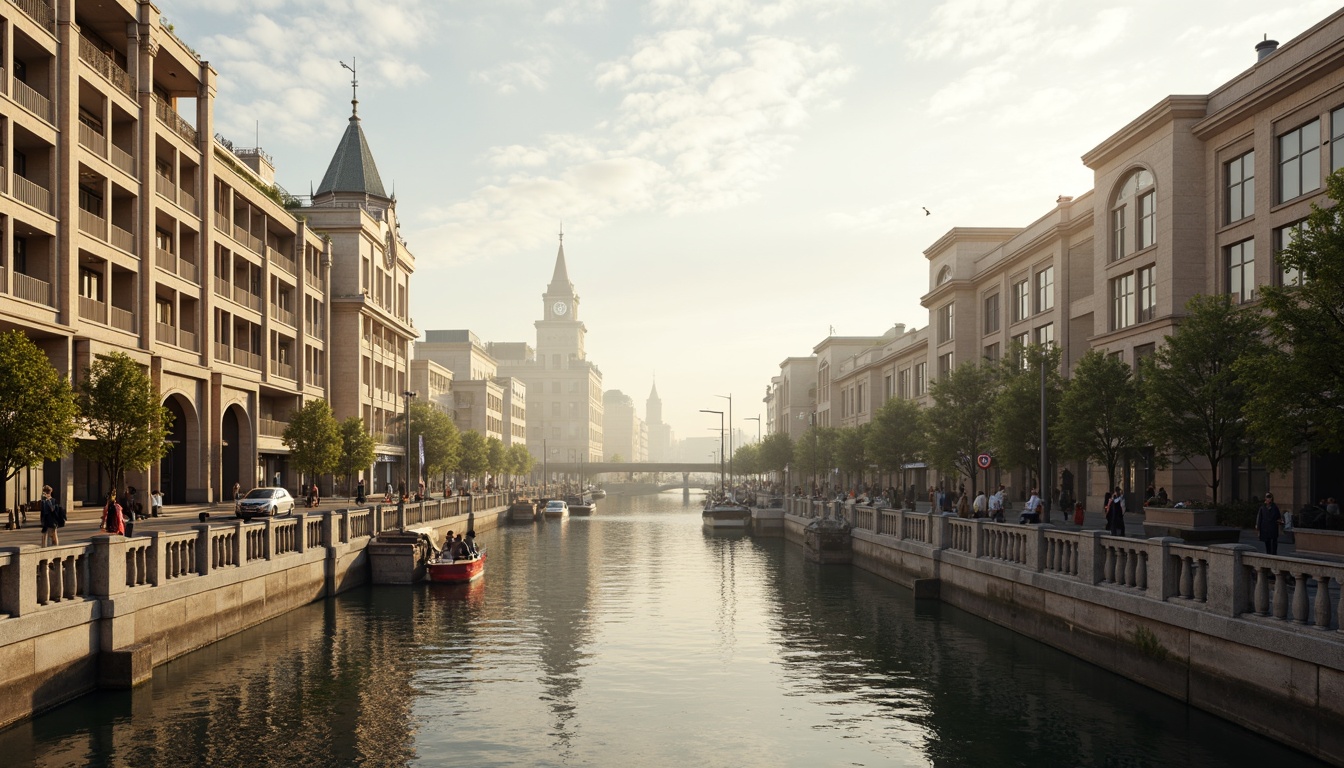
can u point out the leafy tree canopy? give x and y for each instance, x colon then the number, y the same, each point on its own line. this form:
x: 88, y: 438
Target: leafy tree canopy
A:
x: 123, y: 415
x: 314, y: 439
x: 38, y: 419
x: 1099, y: 413
x: 851, y: 451
x: 357, y: 448
x: 442, y: 439
x: 475, y: 455
x: 776, y: 452
x: 1193, y: 398
x: 1015, y: 428
x: 960, y: 418
x: 896, y: 435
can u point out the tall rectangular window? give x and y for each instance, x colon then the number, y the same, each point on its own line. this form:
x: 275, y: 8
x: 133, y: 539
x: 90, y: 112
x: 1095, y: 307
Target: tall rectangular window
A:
x: 944, y: 366
x: 1148, y: 292
x: 991, y: 313
x: 1045, y: 289
x: 921, y: 378
x: 887, y: 388
x: 1282, y: 237
x: 1337, y: 139
x: 1118, y: 245
x: 946, y: 323
x: 1147, y: 220
x: 1122, y: 302
x: 90, y: 284
x: 1017, y: 344
x: 1021, y: 301
x: 992, y: 352
x: 903, y: 389
x: 1241, y: 271
x: 1300, y: 161
x: 1045, y: 335
x: 1240, y: 189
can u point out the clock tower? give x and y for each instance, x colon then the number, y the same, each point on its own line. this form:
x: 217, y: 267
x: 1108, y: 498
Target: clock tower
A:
x: 559, y: 331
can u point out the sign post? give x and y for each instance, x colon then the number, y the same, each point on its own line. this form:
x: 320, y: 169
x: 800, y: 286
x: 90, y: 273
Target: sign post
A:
x: 985, y: 461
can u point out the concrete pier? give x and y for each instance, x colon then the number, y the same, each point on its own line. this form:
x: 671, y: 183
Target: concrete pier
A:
x: 107, y: 611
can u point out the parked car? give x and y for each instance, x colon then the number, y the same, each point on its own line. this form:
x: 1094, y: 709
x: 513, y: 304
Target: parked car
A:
x: 264, y: 502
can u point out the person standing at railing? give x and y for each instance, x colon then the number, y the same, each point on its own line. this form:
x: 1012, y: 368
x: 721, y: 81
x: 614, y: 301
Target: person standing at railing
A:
x: 52, y: 517
x: 1268, y: 521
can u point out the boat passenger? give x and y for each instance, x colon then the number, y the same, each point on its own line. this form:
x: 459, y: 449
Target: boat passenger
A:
x: 447, y: 545
x: 459, y: 549
x: 470, y: 542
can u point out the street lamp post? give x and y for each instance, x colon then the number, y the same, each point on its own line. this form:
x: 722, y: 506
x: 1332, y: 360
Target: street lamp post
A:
x: 729, y: 398
x: 722, y: 489
x: 409, y: 395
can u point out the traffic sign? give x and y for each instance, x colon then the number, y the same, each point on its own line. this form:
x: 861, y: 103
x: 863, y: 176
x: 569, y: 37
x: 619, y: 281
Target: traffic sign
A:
x: 984, y: 460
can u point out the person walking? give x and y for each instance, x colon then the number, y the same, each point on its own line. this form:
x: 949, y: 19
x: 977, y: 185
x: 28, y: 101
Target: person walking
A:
x: 156, y: 503
x: 1032, y: 512
x: 981, y: 504
x: 52, y: 517
x: 996, y: 506
x: 1115, y: 512
x: 113, y: 522
x: 359, y: 492
x: 1268, y: 521
x: 236, y: 488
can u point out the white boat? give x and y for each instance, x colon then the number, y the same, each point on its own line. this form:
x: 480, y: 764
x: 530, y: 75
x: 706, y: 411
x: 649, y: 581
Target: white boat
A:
x: 555, y: 509
x: 726, y: 513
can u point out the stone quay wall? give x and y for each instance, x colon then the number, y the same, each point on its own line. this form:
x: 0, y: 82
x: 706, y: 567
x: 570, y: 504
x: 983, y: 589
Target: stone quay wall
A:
x: 1253, y: 638
x: 105, y: 613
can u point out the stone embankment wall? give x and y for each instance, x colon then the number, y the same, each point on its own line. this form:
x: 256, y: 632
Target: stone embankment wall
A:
x: 1253, y: 638
x: 107, y: 612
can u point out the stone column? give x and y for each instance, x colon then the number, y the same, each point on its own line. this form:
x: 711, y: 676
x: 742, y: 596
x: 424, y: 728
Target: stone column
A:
x: 203, y: 563
x: 1228, y: 585
x: 1091, y: 557
x: 1035, y: 554
x: 157, y: 556
x: 240, y: 544
x: 939, y: 535
x: 301, y: 534
x: 18, y: 593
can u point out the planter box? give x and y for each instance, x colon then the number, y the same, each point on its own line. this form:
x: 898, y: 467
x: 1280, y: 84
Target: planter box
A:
x: 1191, y: 525
x: 1312, y: 541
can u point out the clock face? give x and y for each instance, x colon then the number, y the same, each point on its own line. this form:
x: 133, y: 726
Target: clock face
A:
x: 560, y: 308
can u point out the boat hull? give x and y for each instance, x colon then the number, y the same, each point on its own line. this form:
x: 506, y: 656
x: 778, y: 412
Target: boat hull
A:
x: 456, y: 572
x: 726, y: 517
x: 582, y: 510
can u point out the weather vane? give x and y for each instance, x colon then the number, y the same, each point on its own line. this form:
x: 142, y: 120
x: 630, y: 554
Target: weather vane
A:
x: 354, y: 85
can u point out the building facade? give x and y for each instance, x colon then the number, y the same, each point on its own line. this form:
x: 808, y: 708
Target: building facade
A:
x: 1175, y: 211
x: 624, y: 435
x: 132, y: 227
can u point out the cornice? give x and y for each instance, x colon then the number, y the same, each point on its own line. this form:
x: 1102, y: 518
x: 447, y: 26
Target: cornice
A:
x: 1165, y: 111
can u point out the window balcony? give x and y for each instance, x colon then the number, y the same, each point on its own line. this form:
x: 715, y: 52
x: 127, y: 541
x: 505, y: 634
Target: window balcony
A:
x: 124, y: 160
x: 165, y: 260
x: 92, y: 140
x: 222, y: 352
x: 283, y: 370
x: 123, y: 319
x: 91, y: 223
x: 222, y: 287
x: 168, y: 115
x: 186, y: 340
x: 188, y: 271
x: 246, y: 359
x: 165, y: 333
x: 102, y: 64
x: 283, y: 315
x: 40, y: 12
x: 92, y: 310
x: 33, y: 101
x: 282, y: 260
x: 317, y: 378
x: 123, y: 239
x: 188, y: 202
x: 32, y: 195
x: 250, y: 300
x: 32, y: 289
x: 271, y: 427
x: 221, y: 222
x: 165, y: 187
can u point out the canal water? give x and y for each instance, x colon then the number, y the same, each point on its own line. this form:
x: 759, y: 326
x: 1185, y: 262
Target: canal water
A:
x: 634, y: 638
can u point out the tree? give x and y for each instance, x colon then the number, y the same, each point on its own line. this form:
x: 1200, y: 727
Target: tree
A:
x: 494, y: 457
x: 814, y: 453
x: 747, y: 459
x: 38, y: 417
x: 616, y: 459
x: 1296, y: 385
x: 1099, y: 413
x: 314, y: 440
x: 851, y: 452
x: 442, y: 439
x: 776, y: 452
x: 896, y: 436
x: 120, y: 409
x: 475, y: 457
x: 960, y: 418
x: 1193, y: 399
x: 1015, y: 430
x: 522, y: 460
x: 357, y: 449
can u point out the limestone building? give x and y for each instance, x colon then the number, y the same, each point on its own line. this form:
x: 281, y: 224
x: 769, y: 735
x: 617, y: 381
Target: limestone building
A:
x: 1195, y: 195
x: 131, y: 226
x: 623, y: 433
x: 481, y: 400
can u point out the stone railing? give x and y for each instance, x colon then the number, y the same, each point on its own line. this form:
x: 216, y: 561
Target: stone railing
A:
x: 39, y: 12
x: 1230, y: 580
x: 169, y: 116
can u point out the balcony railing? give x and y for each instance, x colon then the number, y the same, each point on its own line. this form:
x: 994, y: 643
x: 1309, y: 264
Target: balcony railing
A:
x: 246, y: 359
x: 32, y: 289
x: 222, y: 351
x: 91, y: 223
x: 32, y: 194
x: 123, y: 239
x: 32, y: 100
x: 222, y: 287
x: 92, y: 309
x: 123, y: 160
x: 285, y: 316
x: 186, y: 340
x: 168, y: 115
x: 165, y: 187
x: 284, y: 370
x: 92, y: 140
x: 246, y: 238
x: 165, y: 333
x: 317, y: 378
x: 123, y: 319
x: 221, y: 222
x: 165, y: 260
x: 40, y: 12
x: 187, y: 201
x: 246, y: 298
x: 271, y: 427
x: 188, y: 271
x: 104, y: 65
x: 282, y: 259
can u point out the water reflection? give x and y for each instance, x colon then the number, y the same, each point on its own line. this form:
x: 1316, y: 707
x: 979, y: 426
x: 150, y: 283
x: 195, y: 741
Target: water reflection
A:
x: 633, y: 638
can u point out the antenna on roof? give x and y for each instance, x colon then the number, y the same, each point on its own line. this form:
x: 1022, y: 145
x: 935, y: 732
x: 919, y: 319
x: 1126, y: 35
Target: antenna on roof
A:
x: 354, y: 87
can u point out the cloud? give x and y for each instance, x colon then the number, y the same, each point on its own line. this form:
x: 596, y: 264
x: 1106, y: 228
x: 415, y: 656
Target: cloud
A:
x: 1030, y: 30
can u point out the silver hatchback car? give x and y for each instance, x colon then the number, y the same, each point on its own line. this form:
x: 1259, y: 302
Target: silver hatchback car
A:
x: 264, y: 502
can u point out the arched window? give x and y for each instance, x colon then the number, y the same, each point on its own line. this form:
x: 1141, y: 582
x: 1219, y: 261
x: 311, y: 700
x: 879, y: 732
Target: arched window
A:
x: 1134, y: 215
x: 944, y: 275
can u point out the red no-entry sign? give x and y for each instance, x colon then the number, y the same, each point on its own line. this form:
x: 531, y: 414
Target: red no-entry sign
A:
x: 984, y: 460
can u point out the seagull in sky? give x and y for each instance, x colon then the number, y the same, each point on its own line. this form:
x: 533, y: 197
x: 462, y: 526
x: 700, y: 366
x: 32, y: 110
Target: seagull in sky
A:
x: 926, y: 211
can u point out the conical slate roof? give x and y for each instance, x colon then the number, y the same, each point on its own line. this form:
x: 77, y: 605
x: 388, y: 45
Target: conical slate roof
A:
x: 352, y: 168
x: 560, y: 279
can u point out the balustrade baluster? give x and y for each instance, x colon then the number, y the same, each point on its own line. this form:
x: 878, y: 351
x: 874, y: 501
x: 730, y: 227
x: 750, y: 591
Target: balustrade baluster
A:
x: 1141, y: 568
x: 1262, y: 591
x: 1322, y: 618
x: 1108, y: 570
x: 70, y: 582
x: 1187, y: 583
x: 1300, y: 598
x: 1281, y: 594
x: 1202, y: 580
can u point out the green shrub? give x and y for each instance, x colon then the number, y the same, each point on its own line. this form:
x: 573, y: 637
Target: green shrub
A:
x: 1238, y: 513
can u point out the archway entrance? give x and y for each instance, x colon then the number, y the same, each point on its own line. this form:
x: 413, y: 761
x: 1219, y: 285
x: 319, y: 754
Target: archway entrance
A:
x: 173, y: 465
x: 230, y: 452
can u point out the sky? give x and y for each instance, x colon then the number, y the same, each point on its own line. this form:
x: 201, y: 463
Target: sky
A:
x: 735, y: 178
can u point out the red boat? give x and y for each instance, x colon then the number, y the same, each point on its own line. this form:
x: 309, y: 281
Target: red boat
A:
x: 456, y: 571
